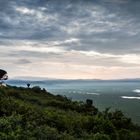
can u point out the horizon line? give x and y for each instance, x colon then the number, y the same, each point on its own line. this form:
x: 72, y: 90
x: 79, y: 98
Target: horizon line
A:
x: 50, y: 78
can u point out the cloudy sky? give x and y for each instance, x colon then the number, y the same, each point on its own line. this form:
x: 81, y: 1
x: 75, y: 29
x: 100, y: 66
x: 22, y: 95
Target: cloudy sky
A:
x: 74, y: 39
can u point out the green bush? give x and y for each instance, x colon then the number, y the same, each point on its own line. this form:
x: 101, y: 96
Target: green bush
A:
x: 35, y: 114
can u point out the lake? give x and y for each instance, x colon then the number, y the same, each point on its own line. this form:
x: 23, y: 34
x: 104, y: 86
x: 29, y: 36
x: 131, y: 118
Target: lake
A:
x: 120, y: 95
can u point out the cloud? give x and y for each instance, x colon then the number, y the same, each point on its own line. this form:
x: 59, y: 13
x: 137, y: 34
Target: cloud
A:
x: 101, y: 33
x: 23, y: 61
x: 97, y: 26
x: 25, y: 10
x: 117, y: 1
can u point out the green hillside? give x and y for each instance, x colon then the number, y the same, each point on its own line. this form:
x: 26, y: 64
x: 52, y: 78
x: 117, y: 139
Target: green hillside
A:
x: 35, y: 114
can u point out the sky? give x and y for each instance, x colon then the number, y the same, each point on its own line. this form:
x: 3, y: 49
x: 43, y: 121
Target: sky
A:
x: 70, y: 39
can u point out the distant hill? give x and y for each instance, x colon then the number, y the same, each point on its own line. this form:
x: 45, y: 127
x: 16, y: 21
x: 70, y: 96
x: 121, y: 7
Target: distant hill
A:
x: 48, y: 81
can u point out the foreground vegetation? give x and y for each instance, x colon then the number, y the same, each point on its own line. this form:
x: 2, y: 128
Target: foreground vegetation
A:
x: 35, y: 114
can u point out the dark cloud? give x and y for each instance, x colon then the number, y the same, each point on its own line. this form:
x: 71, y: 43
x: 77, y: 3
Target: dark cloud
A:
x: 110, y: 26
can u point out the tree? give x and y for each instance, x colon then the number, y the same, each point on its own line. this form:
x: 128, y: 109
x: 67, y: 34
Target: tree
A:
x: 89, y: 102
x: 28, y: 85
x: 3, y: 75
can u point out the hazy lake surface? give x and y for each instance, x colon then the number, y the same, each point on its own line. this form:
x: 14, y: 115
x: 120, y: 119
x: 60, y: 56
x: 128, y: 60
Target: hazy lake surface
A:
x: 121, y: 95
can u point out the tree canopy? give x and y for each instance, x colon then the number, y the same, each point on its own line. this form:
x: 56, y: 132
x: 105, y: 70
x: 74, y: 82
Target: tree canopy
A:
x: 3, y: 75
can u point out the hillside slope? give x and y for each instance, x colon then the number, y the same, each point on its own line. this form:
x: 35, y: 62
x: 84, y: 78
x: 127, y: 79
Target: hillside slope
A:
x: 35, y: 114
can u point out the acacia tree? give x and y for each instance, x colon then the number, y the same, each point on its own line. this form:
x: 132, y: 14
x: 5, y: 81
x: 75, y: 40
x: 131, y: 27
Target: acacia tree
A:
x: 3, y: 75
x: 28, y: 85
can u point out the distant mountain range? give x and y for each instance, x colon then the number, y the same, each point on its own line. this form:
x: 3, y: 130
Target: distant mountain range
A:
x: 40, y: 79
